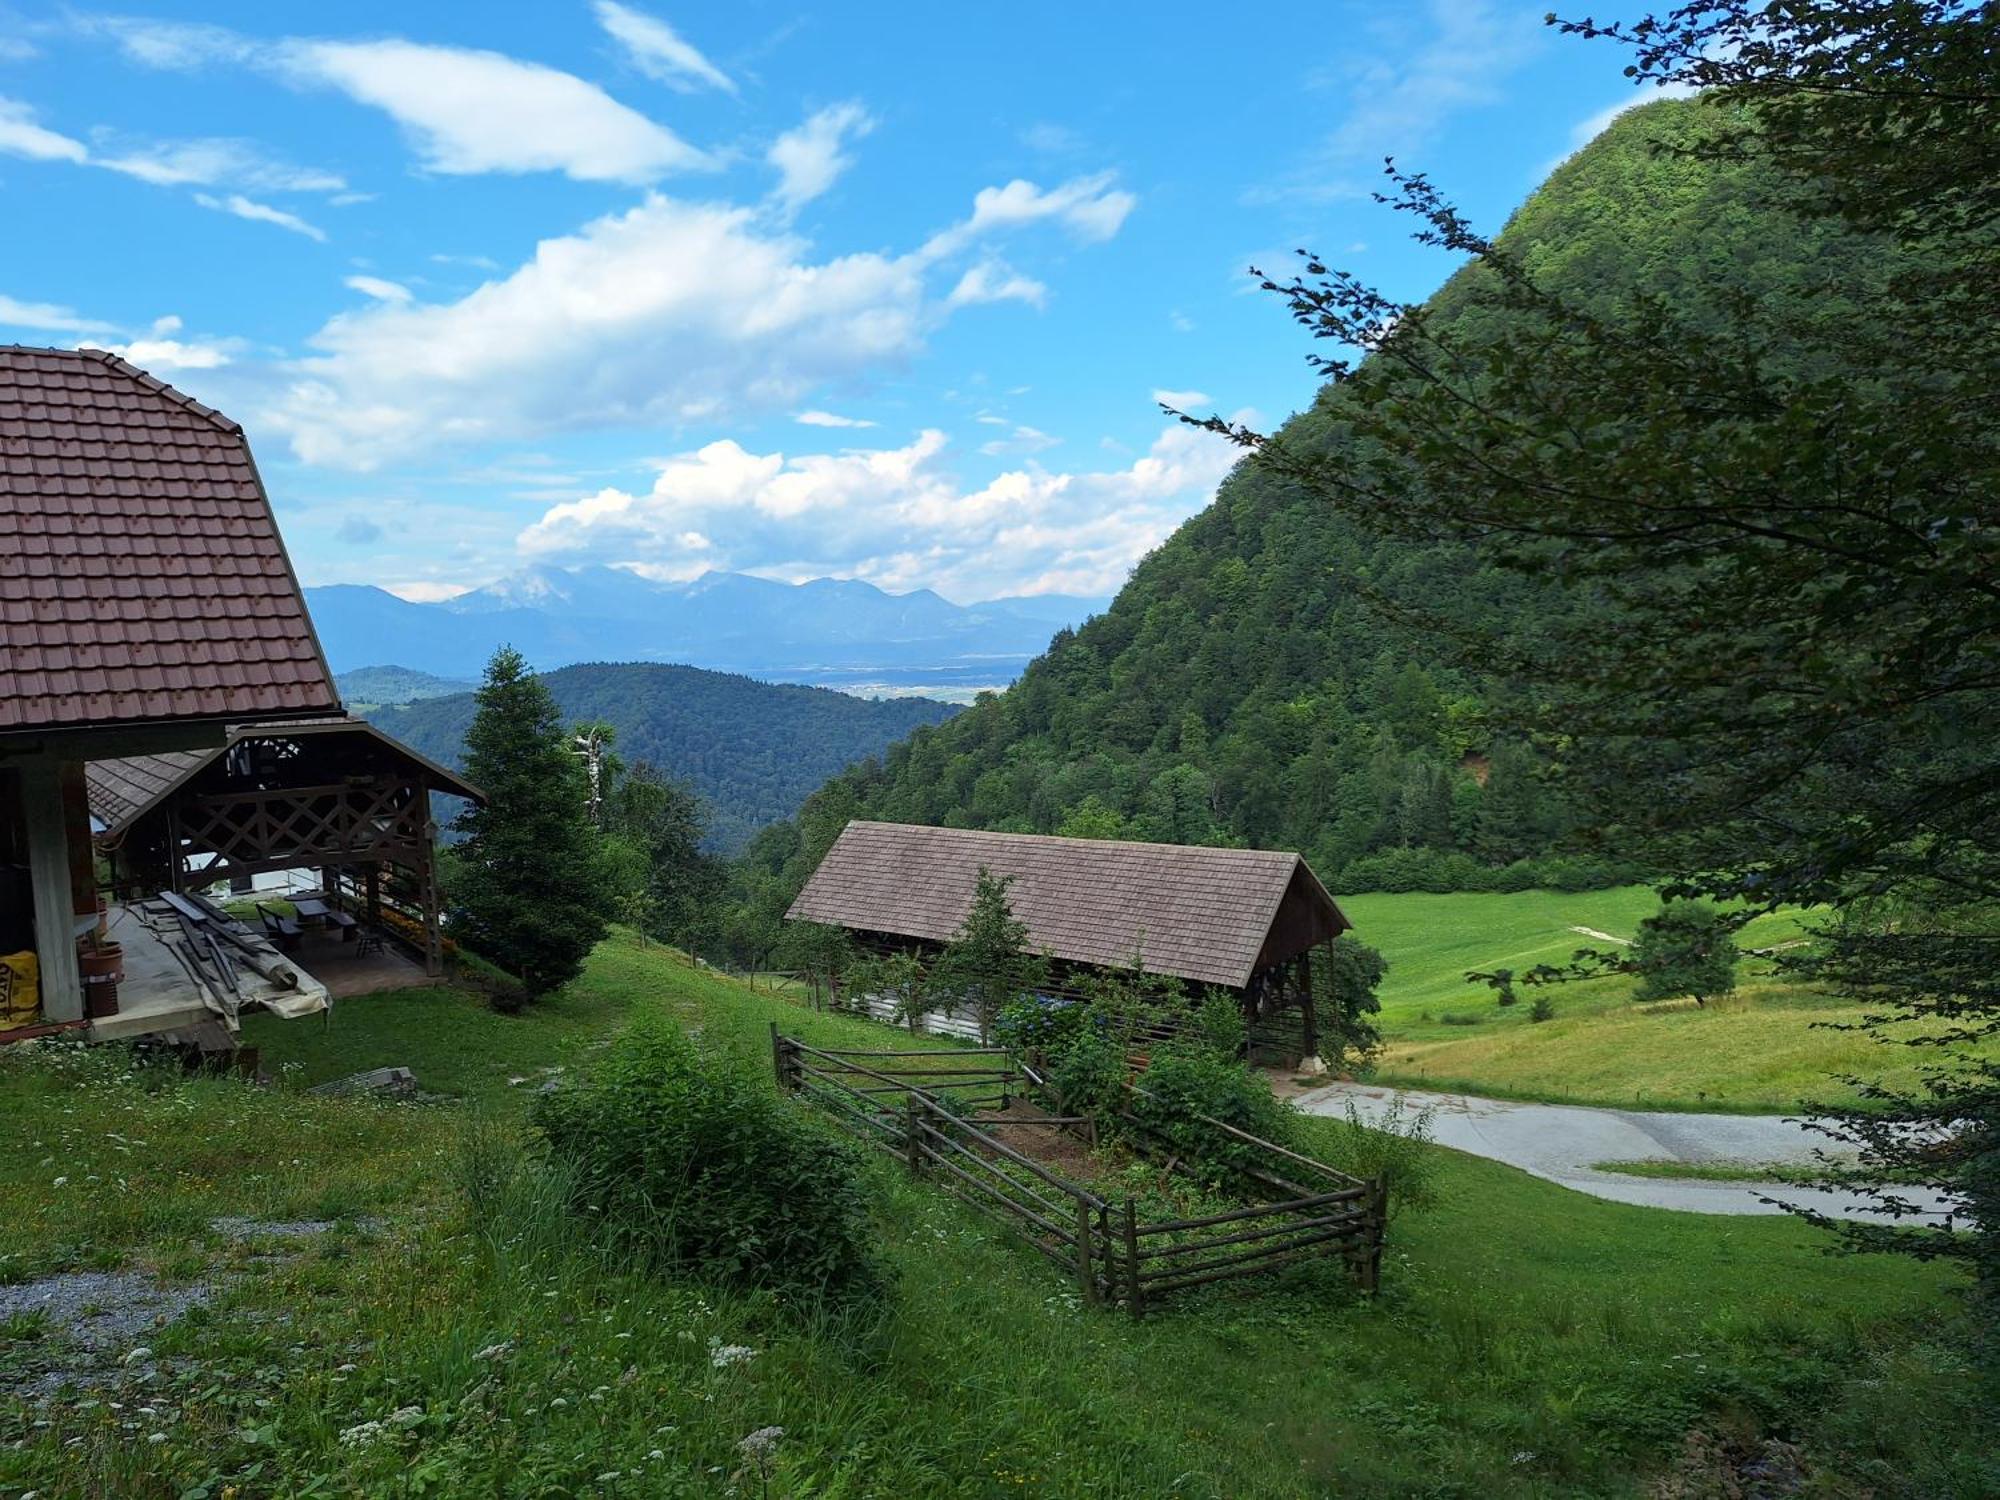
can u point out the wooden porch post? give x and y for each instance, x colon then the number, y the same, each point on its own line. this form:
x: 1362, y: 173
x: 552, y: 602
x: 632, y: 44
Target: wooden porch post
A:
x: 48, y: 831
x: 427, y: 881
x: 1306, y: 1003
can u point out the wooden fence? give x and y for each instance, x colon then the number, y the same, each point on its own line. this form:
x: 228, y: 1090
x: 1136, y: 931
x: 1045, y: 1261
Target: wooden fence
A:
x: 920, y: 1107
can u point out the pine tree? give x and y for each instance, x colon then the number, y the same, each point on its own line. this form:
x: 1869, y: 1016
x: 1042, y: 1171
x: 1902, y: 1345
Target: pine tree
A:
x: 532, y: 886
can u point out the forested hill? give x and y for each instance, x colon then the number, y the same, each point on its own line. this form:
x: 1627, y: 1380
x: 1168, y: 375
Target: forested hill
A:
x: 751, y: 750
x: 1239, y: 689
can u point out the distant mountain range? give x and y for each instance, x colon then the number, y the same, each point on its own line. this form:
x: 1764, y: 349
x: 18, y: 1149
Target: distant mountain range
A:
x: 834, y: 632
x: 752, y: 750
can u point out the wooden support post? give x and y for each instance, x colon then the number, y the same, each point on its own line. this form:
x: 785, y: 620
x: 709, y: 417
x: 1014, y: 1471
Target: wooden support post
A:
x: 1378, y: 1218
x: 1134, y: 1292
x: 779, y: 1060
x: 48, y: 836
x: 913, y: 1137
x: 1306, y: 1003
x: 1086, y: 1272
x: 428, y: 884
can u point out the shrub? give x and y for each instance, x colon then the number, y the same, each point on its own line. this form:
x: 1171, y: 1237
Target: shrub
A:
x: 1397, y: 1148
x: 1035, y: 1023
x: 1544, y: 1009
x: 688, y: 1163
x: 1185, y: 1081
x: 1089, y: 1073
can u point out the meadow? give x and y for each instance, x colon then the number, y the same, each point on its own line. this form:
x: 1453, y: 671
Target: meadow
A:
x: 1766, y: 1048
x: 455, y: 1332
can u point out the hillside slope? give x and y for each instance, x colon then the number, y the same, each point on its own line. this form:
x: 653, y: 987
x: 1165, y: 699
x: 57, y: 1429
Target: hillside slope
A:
x: 752, y: 750
x: 1242, y: 689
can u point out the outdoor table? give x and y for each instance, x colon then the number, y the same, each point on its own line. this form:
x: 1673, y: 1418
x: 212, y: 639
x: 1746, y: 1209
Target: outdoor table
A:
x: 310, y: 908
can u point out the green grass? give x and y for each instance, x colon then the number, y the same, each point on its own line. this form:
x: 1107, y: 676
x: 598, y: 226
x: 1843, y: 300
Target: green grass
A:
x: 1530, y: 1341
x: 1693, y: 1171
x: 1762, y: 1049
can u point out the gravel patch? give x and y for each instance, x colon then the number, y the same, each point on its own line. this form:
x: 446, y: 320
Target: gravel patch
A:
x: 101, y: 1309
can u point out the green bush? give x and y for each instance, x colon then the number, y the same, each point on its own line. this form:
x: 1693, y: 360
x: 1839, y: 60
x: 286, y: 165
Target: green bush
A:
x: 689, y: 1163
x: 1032, y: 1024
x: 1089, y: 1073
x: 1395, y: 1147
x: 1184, y: 1081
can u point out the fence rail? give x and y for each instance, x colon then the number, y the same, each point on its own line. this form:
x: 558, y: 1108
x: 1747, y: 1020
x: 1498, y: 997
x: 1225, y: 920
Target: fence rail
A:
x: 917, y: 1106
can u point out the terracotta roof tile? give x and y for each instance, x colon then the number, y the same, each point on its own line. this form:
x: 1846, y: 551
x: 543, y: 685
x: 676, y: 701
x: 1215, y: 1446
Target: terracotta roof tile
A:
x: 135, y: 533
x: 1202, y: 914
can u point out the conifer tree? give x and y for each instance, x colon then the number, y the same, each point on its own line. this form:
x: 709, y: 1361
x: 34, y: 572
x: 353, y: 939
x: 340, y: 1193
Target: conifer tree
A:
x: 531, y: 888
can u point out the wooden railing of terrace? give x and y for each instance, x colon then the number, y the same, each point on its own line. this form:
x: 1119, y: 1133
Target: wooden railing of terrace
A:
x: 921, y: 1107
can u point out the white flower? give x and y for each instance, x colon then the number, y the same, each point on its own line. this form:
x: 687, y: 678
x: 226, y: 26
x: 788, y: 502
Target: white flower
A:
x: 496, y: 1351
x: 142, y: 1352
x: 406, y: 1416
x: 366, y: 1432
x: 761, y: 1444
x: 156, y: 1437
x: 722, y: 1356
x: 60, y: 1182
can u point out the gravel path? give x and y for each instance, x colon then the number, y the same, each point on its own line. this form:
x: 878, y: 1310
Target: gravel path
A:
x: 1560, y: 1142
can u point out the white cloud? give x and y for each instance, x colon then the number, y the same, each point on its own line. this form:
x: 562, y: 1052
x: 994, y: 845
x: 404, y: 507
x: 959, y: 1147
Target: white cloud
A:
x: 810, y: 158
x: 668, y: 312
x: 1090, y: 207
x: 897, y: 516
x: 261, y: 213
x: 1182, y: 400
x: 206, y: 162
x: 21, y: 136
x: 992, y: 281
x: 1021, y: 440
x: 658, y: 51
x: 469, y: 111
x: 47, y: 317
x: 178, y: 45
x: 829, y: 419
x: 1412, y: 70
x: 17, y: 49
x: 203, y: 163
x: 380, y: 289
x: 158, y: 354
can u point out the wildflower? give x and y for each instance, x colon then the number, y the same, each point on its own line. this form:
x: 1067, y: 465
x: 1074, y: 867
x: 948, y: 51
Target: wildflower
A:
x: 722, y: 1356
x: 60, y: 1182
x: 362, y: 1434
x: 406, y: 1416
x: 156, y: 1437
x: 761, y: 1444
x: 496, y: 1351
x: 142, y: 1352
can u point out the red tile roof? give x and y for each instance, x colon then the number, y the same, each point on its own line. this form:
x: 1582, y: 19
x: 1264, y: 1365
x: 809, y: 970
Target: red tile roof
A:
x: 142, y: 576
x: 1202, y: 914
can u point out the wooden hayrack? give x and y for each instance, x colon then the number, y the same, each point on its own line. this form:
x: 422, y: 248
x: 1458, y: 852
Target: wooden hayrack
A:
x: 916, y: 1106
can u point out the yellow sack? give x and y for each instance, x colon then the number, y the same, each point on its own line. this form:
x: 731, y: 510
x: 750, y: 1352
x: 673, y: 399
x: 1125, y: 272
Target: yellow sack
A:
x: 20, y: 988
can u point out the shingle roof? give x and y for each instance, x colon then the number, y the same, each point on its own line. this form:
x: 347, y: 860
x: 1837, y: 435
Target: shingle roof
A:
x: 1202, y: 914
x: 121, y: 790
x: 142, y: 576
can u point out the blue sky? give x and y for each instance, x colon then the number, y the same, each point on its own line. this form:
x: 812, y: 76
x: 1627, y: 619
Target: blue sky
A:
x: 882, y: 291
